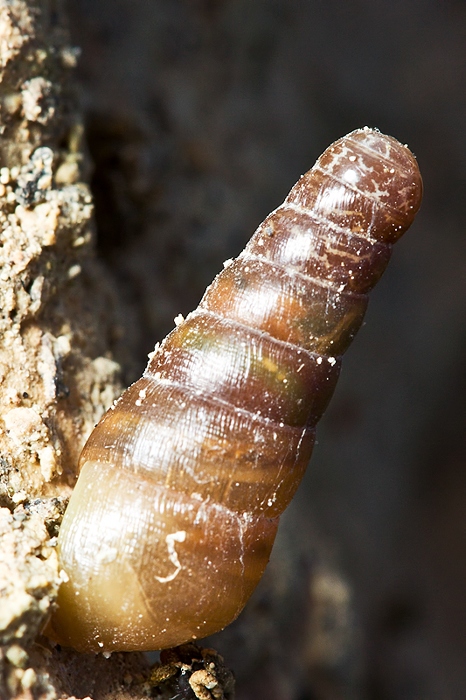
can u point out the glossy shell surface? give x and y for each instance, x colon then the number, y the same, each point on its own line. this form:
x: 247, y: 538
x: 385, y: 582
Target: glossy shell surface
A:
x: 182, y: 483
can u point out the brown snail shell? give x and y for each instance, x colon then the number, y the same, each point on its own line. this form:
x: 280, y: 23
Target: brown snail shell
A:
x: 182, y: 483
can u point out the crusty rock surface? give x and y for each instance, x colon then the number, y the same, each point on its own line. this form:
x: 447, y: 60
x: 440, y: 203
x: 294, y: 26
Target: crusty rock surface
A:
x: 59, y: 340
x: 57, y: 322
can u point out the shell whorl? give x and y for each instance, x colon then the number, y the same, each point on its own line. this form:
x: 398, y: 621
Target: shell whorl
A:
x: 185, y: 477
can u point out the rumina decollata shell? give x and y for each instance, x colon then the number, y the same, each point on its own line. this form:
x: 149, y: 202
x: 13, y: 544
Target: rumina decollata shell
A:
x: 183, y: 481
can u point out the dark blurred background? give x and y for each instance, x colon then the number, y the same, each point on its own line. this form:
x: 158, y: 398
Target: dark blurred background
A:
x: 200, y: 115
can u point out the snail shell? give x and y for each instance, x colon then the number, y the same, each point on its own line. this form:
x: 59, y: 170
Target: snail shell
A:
x: 182, y: 483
